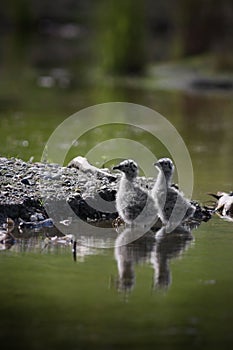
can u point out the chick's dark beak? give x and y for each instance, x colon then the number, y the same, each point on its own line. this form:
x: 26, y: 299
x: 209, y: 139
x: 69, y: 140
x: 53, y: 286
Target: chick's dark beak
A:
x: 116, y: 167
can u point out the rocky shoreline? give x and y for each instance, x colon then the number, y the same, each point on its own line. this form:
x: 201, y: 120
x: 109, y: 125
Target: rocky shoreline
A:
x: 26, y: 189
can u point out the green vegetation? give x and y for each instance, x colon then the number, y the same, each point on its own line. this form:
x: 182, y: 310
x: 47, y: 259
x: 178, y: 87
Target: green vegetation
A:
x: 120, y: 36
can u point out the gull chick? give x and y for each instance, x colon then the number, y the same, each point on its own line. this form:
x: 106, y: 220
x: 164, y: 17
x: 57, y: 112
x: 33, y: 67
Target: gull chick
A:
x: 168, y: 197
x: 133, y: 203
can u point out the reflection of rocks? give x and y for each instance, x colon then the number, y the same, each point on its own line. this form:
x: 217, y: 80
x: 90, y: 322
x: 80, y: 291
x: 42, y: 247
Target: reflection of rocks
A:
x: 50, y: 245
x: 7, y: 239
x: 157, y: 249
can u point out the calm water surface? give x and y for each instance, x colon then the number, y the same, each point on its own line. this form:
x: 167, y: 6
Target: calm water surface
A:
x: 49, y: 301
x: 174, y: 293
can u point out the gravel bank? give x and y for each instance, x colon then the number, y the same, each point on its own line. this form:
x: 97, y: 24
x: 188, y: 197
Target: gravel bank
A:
x: 26, y: 189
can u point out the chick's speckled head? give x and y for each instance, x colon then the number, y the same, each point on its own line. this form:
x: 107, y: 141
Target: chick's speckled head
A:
x: 166, y: 165
x: 129, y: 167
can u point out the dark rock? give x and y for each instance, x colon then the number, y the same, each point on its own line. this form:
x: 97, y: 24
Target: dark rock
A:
x: 202, y: 213
x: 8, y: 175
x: 27, y: 181
x: 107, y: 194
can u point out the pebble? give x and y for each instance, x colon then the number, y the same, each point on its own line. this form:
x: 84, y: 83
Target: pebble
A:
x: 27, y: 181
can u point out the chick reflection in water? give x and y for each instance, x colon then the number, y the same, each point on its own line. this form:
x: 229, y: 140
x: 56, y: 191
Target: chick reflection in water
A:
x: 168, y: 246
x: 131, y: 248
x: 157, y: 250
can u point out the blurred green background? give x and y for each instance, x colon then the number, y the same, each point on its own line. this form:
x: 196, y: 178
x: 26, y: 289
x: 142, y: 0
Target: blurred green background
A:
x: 175, y: 57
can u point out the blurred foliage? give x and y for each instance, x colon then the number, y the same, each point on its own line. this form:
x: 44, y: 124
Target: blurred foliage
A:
x: 122, y: 36
x: 206, y: 26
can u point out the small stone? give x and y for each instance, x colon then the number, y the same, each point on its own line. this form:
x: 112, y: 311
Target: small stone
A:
x: 33, y: 218
x: 8, y: 175
x: 27, y: 181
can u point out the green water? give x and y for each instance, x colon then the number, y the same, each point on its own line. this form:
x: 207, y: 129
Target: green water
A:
x: 48, y: 301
